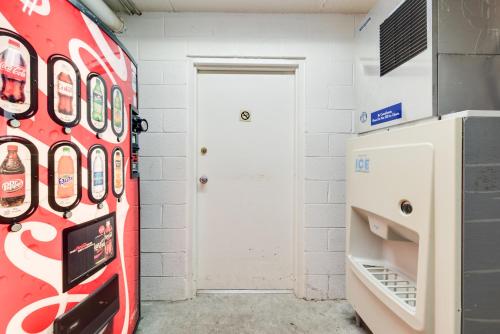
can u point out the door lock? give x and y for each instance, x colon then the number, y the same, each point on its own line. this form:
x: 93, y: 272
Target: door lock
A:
x: 203, y: 179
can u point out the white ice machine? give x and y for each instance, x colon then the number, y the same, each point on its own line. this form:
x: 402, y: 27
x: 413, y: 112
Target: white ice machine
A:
x: 423, y: 217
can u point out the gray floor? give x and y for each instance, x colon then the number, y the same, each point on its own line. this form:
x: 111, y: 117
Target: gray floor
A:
x: 248, y: 313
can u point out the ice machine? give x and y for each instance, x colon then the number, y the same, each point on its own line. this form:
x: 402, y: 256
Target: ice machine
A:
x: 69, y: 200
x: 423, y: 178
x: 423, y: 226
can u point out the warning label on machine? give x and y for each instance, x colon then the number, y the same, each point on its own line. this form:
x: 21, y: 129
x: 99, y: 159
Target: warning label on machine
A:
x: 387, y: 114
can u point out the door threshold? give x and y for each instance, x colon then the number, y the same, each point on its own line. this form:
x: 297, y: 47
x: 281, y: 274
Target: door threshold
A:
x: 242, y: 291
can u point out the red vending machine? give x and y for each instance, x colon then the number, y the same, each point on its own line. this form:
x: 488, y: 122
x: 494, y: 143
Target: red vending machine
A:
x: 69, y: 188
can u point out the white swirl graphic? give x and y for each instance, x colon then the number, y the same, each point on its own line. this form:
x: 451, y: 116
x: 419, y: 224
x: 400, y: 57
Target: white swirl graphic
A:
x: 15, y: 324
x: 74, y: 49
x: 121, y: 218
x: 41, y: 7
x: 44, y: 268
x: 117, y: 62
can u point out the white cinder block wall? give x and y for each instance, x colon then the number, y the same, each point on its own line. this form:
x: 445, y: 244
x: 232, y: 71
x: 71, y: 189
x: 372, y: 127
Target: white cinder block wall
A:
x: 161, y: 42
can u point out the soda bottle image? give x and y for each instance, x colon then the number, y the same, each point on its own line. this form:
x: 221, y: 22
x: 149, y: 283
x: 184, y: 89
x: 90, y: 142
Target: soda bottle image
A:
x: 99, y: 245
x: 118, y: 170
x: 12, y: 179
x: 13, y: 73
x: 98, y: 102
x: 65, y: 175
x: 98, y: 173
x: 65, y: 93
x: 109, y: 239
x: 117, y: 111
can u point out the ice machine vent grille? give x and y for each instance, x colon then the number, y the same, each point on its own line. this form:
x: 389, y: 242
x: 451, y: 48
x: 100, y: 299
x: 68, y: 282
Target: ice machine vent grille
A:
x: 394, y: 283
x: 403, y: 35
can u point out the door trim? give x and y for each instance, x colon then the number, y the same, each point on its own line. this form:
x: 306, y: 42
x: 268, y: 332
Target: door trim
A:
x: 247, y: 64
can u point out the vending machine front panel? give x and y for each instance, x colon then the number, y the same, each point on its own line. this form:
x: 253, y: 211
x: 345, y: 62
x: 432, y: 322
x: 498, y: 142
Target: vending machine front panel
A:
x: 66, y: 85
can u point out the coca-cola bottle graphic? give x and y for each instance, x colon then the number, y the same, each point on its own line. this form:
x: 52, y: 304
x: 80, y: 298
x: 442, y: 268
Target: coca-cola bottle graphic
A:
x: 13, y: 73
x: 65, y: 175
x: 65, y: 93
x: 98, y: 102
x: 12, y: 179
x: 99, y: 245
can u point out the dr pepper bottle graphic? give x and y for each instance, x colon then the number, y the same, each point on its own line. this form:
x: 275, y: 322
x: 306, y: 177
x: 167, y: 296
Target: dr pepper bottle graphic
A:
x: 66, y: 175
x: 13, y: 72
x: 65, y: 92
x: 12, y: 179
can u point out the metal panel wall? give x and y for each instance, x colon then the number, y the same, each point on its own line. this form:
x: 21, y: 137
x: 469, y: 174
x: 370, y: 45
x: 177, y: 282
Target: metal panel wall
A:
x: 481, y: 226
x: 468, y: 82
x: 469, y: 27
x: 468, y: 55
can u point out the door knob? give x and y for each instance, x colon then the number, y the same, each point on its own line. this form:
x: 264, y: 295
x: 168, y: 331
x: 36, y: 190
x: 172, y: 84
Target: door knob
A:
x: 203, y: 179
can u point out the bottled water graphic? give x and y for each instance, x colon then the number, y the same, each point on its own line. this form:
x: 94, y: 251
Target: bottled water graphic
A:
x: 98, y: 174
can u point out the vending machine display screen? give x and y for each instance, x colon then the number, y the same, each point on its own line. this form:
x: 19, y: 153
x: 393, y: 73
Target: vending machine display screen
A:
x: 87, y: 247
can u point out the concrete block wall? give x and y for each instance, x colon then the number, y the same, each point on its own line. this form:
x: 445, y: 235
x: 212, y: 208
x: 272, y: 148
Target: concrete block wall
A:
x: 161, y: 42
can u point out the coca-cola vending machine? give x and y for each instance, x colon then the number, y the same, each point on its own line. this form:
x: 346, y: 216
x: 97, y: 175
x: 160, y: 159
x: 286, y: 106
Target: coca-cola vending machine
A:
x: 69, y: 187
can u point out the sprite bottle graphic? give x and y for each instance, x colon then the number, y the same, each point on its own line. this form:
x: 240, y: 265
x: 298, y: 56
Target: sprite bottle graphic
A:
x: 117, y: 111
x: 97, y: 103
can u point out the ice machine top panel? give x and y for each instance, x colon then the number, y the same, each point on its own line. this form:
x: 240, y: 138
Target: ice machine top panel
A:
x: 430, y: 57
x: 394, y: 65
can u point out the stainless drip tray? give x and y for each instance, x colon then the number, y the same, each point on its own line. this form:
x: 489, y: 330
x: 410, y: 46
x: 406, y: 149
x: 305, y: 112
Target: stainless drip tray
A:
x: 394, y: 283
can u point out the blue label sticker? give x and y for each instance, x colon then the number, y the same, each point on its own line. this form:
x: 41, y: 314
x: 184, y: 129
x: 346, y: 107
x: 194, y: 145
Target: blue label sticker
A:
x: 387, y: 114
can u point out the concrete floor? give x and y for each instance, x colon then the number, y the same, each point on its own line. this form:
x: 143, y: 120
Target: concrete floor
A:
x: 248, y: 313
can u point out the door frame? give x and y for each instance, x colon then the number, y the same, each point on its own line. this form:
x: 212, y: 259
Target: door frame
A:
x: 247, y: 64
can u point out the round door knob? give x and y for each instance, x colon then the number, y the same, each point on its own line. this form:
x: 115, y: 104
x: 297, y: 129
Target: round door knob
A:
x: 203, y: 179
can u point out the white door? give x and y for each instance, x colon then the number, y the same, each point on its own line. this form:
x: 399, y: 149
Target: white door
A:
x: 245, y: 218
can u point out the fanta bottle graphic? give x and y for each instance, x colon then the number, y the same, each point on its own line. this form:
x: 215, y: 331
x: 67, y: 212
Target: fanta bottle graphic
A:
x: 117, y: 111
x: 98, y: 173
x: 12, y: 179
x: 98, y: 102
x: 65, y: 175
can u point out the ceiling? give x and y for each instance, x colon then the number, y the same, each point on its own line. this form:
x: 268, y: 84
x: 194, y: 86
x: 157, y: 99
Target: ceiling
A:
x: 251, y: 6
